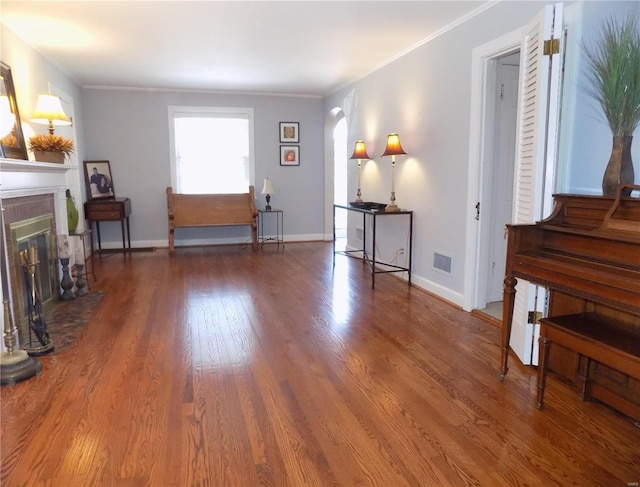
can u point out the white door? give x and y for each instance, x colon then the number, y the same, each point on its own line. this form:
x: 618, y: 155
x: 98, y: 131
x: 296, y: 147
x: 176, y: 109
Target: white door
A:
x: 502, y: 171
x: 538, y: 117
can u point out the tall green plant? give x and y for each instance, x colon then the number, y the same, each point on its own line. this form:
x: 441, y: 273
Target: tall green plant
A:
x: 614, y: 74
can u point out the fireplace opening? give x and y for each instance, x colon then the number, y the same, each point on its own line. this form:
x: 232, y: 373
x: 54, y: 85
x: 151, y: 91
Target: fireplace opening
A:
x: 35, y: 232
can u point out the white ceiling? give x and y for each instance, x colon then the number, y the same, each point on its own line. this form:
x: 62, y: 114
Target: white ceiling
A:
x: 289, y: 47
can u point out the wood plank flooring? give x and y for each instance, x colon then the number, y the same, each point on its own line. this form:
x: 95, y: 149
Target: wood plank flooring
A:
x: 220, y: 366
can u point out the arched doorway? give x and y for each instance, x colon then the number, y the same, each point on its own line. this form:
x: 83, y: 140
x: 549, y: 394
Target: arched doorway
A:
x: 340, y: 174
x: 335, y: 172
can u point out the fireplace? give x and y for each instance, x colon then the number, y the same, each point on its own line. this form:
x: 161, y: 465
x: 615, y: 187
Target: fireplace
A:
x: 34, y: 210
x: 30, y: 222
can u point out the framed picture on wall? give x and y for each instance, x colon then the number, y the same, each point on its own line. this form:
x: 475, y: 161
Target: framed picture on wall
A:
x: 289, y: 155
x: 97, y: 176
x: 12, y: 141
x: 289, y: 132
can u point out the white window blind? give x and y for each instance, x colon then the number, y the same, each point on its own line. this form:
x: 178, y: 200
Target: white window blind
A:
x: 211, y: 149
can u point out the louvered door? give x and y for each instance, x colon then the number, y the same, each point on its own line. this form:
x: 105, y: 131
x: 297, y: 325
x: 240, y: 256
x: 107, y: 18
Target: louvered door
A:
x: 538, y: 113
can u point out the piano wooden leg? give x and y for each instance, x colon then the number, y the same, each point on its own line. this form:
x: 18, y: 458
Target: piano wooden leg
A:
x: 543, y: 362
x: 583, y: 376
x: 508, y: 301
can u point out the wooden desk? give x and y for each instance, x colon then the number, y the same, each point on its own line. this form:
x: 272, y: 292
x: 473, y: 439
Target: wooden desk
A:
x: 109, y: 210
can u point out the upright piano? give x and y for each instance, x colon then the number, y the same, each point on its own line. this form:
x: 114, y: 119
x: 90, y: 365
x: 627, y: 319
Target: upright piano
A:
x: 587, y: 254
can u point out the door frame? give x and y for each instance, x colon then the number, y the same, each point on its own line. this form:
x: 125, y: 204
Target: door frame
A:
x: 483, y: 79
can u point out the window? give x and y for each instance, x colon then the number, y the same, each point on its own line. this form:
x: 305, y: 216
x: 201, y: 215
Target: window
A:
x: 211, y: 149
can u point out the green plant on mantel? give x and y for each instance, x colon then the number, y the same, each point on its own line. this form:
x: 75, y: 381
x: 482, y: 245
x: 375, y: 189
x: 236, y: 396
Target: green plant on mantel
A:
x: 51, y: 143
x: 614, y: 74
x: 614, y: 82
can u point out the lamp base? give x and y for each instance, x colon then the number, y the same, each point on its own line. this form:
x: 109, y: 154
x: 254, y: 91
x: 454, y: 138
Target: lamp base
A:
x: 392, y: 208
x: 267, y: 208
x: 17, y: 366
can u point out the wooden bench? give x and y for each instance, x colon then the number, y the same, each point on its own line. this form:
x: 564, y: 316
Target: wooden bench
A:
x: 211, y: 210
x: 596, y: 338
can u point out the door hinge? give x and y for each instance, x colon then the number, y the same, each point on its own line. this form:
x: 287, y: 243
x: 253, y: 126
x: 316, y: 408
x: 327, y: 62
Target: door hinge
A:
x: 534, y: 317
x: 502, y: 91
x: 551, y: 47
x: 478, y: 210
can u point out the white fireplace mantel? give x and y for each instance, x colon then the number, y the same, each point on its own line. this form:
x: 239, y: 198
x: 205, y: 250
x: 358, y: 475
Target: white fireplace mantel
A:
x: 27, y: 178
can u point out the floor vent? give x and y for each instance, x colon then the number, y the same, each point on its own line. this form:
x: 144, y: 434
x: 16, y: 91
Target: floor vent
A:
x: 442, y: 262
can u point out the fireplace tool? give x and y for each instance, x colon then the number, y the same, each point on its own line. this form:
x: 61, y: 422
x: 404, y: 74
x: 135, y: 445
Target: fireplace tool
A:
x: 15, y: 364
x: 37, y: 326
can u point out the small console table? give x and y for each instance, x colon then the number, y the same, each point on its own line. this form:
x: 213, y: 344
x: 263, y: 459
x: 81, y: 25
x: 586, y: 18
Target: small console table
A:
x: 109, y: 210
x: 279, y: 236
x: 374, y: 265
x: 88, y: 267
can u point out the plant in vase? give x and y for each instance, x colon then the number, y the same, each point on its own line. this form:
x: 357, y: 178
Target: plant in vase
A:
x: 50, y: 147
x: 614, y: 82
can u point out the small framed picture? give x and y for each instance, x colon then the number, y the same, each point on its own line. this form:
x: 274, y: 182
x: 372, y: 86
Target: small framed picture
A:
x: 289, y: 155
x: 97, y: 175
x: 289, y: 132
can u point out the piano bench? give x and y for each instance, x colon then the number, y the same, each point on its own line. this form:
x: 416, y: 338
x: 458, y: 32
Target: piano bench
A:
x: 592, y: 336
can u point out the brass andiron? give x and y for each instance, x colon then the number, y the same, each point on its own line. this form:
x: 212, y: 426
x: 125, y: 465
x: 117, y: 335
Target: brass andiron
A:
x: 37, y: 326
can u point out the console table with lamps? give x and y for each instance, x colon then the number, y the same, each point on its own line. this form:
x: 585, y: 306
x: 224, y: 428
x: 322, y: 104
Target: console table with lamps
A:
x: 376, y: 267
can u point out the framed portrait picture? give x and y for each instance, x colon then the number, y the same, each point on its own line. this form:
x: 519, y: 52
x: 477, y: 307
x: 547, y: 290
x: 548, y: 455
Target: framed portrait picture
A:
x: 289, y: 132
x: 289, y: 155
x: 97, y: 175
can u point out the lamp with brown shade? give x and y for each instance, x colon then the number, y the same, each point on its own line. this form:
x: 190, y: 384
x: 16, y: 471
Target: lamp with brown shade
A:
x: 393, y: 149
x: 359, y: 152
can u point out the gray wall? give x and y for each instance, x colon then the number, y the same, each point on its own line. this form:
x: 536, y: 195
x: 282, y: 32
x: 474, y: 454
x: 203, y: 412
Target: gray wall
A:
x: 425, y: 96
x: 130, y: 128
x: 33, y: 75
x: 585, y: 142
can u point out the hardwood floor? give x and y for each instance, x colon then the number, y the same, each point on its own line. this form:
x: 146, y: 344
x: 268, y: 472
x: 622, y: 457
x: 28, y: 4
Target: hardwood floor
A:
x: 222, y: 366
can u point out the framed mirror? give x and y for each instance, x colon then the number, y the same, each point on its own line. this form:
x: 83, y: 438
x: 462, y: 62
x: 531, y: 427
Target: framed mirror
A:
x: 12, y: 143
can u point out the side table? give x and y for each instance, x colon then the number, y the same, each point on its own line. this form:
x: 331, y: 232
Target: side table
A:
x: 88, y: 270
x: 109, y: 210
x: 279, y: 236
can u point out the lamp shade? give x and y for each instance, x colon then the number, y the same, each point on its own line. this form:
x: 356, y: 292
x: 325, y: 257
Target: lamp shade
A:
x: 268, y: 187
x: 49, y: 111
x: 64, y: 249
x: 360, y: 152
x: 393, y: 146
